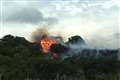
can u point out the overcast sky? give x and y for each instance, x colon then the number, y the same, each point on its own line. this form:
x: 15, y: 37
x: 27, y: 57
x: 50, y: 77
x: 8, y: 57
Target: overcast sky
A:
x: 96, y: 21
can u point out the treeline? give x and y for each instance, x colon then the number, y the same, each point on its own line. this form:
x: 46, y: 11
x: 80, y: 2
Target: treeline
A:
x: 22, y: 60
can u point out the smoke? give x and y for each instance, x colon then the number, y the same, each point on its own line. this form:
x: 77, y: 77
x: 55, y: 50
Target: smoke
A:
x: 76, y: 48
x: 76, y: 45
x: 94, y: 21
x: 46, y: 31
x: 73, y: 46
x: 36, y: 35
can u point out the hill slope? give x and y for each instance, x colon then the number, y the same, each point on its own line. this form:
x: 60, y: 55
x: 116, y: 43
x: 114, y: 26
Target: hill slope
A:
x: 20, y: 60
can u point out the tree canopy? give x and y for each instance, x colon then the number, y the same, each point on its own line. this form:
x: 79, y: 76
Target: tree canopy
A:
x: 22, y: 60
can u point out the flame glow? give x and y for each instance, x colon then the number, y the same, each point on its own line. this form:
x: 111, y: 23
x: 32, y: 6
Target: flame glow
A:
x: 45, y: 39
x: 46, y: 43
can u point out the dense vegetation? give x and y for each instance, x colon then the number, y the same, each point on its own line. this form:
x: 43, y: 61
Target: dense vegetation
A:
x: 22, y: 60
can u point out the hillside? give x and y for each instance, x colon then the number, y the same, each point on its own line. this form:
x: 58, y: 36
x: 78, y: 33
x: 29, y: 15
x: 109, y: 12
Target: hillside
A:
x: 22, y: 60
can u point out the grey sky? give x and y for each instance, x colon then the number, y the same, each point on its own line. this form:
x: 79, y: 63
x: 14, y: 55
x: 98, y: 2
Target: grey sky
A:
x: 97, y: 21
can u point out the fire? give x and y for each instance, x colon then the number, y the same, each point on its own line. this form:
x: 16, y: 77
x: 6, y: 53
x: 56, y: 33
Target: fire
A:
x: 46, y: 43
x: 45, y: 39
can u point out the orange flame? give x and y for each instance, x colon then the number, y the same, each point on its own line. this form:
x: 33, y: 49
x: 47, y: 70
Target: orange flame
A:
x: 42, y: 36
x: 46, y: 43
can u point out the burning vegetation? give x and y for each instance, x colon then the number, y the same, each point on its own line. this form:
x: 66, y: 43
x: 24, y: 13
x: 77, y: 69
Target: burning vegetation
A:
x: 46, y: 43
x: 55, y: 45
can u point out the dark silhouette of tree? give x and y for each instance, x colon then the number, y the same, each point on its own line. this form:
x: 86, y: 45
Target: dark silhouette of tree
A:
x: 22, y: 60
x: 76, y: 39
x: 58, y: 48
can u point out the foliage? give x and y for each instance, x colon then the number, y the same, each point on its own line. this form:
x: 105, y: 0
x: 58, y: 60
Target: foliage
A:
x: 20, y: 60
